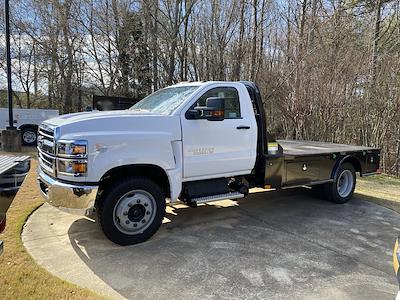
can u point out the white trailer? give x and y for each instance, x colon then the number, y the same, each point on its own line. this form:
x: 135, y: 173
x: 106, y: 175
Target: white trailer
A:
x: 28, y: 121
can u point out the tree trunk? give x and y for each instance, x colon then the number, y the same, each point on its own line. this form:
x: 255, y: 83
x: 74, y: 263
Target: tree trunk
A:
x: 254, y: 41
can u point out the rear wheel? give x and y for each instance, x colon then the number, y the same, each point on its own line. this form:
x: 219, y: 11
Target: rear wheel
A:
x: 29, y: 136
x: 131, y: 211
x: 342, y: 189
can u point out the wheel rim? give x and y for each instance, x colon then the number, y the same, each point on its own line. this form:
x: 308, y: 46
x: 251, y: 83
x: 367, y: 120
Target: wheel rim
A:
x: 135, y: 211
x: 345, y: 183
x: 29, y: 137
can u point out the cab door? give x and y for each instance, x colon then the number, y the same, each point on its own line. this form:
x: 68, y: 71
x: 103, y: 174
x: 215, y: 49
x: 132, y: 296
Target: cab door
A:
x: 220, y: 148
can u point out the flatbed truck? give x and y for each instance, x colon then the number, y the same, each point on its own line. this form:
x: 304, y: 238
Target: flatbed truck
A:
x: 192, y: 142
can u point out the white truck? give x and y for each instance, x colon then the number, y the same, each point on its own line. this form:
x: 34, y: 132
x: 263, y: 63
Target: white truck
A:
x: 28, y: 121
x: 193, y: 142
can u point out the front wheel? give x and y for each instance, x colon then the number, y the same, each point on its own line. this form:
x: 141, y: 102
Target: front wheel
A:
x: 342, y: 189
x: 132, y: 210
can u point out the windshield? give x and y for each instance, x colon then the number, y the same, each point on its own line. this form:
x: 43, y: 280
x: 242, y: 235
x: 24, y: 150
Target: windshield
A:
x: 165, y: 101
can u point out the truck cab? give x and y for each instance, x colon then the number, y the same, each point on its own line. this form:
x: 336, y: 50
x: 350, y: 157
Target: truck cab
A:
x: 190, y: 142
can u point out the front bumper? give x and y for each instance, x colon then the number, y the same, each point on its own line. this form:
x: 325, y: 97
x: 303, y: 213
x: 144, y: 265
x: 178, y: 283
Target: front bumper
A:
x: 66, y: 195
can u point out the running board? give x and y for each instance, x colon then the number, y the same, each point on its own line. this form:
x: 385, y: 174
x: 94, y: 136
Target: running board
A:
x: 233, y: 195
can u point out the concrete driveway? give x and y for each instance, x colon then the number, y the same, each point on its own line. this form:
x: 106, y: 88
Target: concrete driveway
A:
x: 269, y: 245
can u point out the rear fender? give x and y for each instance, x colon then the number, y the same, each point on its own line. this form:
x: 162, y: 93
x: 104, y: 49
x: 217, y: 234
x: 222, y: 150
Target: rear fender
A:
x: 347, y: 159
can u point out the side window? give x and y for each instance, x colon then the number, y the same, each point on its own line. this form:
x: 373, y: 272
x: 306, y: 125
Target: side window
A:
x: 231, y: 96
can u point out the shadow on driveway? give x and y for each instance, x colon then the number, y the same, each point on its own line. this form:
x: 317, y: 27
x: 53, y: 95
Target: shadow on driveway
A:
x: 269, y: 245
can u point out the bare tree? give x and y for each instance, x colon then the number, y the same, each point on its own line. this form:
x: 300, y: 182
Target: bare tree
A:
x: 328, y: 69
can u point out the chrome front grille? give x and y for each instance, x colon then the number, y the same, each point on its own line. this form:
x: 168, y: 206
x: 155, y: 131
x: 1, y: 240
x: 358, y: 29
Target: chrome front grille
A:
x: 47, y: 131
x: 46, y: 145
x: 47, y: 161
x: 46, y: 148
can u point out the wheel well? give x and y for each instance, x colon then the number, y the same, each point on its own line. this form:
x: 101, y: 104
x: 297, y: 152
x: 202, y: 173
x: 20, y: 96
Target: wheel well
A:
x: 354, y: 161
x: 153, y: 172
x: 24, y: 126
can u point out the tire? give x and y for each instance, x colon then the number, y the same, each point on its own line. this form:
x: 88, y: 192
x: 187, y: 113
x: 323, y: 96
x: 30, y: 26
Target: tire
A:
x: 131, y: 210
x: 29, y: 136
x: 342, y: 189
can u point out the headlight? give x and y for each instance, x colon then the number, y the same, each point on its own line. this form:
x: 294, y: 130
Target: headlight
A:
x: 71, y: 157
x: 72, y: 148
x: 71, y: 167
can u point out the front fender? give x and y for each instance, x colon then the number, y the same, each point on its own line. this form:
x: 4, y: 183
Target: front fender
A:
x: 121, y: 149
x: 137, y: 149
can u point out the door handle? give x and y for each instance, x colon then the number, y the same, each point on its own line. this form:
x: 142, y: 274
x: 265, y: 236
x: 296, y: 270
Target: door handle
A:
x: 243, y: 127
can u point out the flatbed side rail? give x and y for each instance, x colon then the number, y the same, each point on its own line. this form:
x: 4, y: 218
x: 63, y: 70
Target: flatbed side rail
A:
x: 13, y: 170
x: 9, y: 162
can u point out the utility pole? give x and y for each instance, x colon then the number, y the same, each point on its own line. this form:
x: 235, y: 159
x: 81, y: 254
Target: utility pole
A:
x: 11, y: 138
x: 8, y: 56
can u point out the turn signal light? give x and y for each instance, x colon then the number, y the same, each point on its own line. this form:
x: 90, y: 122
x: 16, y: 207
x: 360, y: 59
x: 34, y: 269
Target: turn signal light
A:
x: 217, y: 113
x: 79, y: 167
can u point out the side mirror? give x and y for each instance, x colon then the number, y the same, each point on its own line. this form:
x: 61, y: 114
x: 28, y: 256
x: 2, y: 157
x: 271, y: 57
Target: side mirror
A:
x: 213, y: 111
x: 216, y: 107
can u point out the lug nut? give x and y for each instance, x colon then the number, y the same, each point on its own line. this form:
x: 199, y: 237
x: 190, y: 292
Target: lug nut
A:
x: 125, y: 213
x: 146, y: 205
x: 147, y: 212
x: 143, y: 221
x: 127, y: 222
x: 134, y: 225
x: 138, y: 201
x: 130, y: 204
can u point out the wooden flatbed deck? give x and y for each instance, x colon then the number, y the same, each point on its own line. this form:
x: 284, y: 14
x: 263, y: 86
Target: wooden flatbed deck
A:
x: 305, y: 148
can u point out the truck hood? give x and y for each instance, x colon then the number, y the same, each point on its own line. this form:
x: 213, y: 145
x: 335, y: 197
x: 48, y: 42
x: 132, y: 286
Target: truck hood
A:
x: 76, y: 117
x: 126, y: 122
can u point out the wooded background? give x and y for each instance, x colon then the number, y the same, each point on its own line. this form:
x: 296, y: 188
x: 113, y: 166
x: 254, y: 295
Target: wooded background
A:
x: 329, y: 70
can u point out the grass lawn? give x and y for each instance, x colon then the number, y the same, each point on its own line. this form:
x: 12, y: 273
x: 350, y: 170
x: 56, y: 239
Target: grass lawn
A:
x: 20, y: 276
x: 381, y: 189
